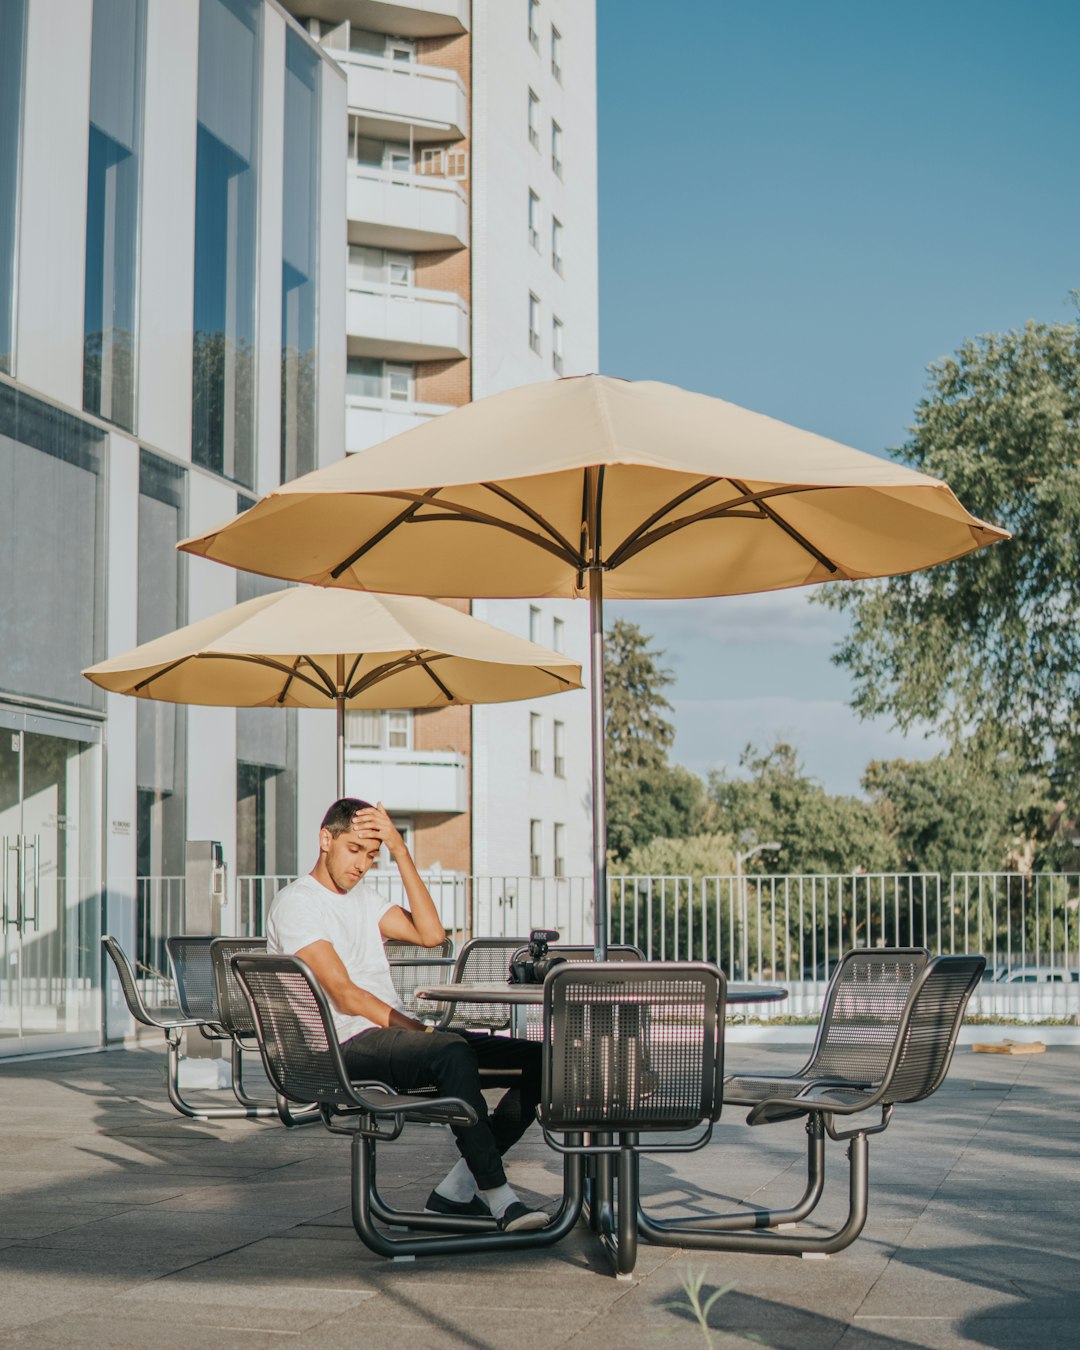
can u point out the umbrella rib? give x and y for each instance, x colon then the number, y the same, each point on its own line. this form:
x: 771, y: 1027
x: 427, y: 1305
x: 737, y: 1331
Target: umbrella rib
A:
x: 165, y: 670
x: 395, y: 667
x: 285, y: 686
x: 788, y: 529
x: 650, y: 521
x: 380, y: 535
x: 534, y: 516
x: 454, y: 511
x: 270, y: 662
x: 628, y: 550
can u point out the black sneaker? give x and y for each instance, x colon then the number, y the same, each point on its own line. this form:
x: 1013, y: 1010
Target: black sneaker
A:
x: 472, y: 1209
x: 519, y: 1218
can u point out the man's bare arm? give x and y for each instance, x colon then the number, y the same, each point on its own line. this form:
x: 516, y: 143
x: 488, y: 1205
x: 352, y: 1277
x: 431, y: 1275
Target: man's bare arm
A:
x: 347, y: 997
x: 422, y: 924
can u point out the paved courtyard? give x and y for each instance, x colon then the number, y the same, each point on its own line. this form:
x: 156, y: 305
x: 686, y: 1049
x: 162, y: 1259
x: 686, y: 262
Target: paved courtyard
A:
x: 123, y: 1225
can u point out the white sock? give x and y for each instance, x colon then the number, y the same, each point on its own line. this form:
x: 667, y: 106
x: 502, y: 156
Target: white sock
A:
x: 498, y: 1199
x: 458, y: 1185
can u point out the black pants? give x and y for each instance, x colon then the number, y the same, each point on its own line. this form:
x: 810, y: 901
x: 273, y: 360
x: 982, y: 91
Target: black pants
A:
x: 459, y: 1065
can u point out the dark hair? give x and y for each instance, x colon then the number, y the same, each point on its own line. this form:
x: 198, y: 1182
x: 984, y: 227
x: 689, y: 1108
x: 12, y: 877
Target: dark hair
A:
x: 339, y: 818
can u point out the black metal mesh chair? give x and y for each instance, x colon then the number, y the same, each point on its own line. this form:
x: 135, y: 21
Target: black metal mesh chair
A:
x: 303, y: 1061
x: 412, y: 966
x: 578, y: 955
x: 173, y: 1028
x: 904, y: 1059
x: 630, y: 1048
x: 191, y: 958
x: 482, y: 961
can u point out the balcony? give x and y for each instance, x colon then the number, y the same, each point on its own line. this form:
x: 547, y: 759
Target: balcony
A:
x: 409, y: 18
x: 409, y: 780
x: 393, y: 100
x: 408, y: 211
x: 405, y: 323
x: 371, y: 420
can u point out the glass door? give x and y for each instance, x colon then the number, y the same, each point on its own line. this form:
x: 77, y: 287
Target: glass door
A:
x: 50, y: 887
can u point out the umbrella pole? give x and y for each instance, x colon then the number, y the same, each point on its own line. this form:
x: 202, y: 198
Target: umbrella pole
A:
x: 599, y: 784
x: 339, y: 700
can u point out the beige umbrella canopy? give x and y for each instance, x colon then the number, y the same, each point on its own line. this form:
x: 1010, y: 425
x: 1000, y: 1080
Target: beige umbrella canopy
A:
x: 595, y: 486
x: 313, y: 648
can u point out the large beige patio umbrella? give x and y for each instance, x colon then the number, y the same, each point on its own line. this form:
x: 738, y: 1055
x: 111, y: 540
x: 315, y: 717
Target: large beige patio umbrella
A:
x: 595, y: 486
x: 308, y: 647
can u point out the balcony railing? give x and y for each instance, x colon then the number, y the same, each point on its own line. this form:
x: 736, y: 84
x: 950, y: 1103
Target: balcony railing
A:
x: 399, y: 100
x: 408, y: 211
x: 409, y: 780
x: 406, y: 18
x: 405, y: 323
x: 371, y: 420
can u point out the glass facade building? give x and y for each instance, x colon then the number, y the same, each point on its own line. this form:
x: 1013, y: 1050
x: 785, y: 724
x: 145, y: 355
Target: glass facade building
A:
x: 12, y: 44
x: 299, y: 278
x: 226, y: 238
x: 112, y: 209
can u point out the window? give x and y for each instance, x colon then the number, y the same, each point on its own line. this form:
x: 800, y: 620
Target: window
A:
x: 391, y: 156
x: 559, y: 850
x: 534, y: 323
x: 534, y: 624
x: 369, y: 377
x: 558, y: 761
x: 534, y: 23
x: 556, y: 244
x: 556, y: 148
x: 536, y: 857
x: 534, y: 120
x: 369, y: 730
x: 380, y: 265
x: 12, y: 32
x: 112, y: 210
x: 556, y: 53
x: 534, y: 220
x: 558, y: 635
x: 556, y: 345
x: 367, y: 43
x: 440, y: 162
x: 536, y: 733
x: 299, y: 259
x: 226, y: 235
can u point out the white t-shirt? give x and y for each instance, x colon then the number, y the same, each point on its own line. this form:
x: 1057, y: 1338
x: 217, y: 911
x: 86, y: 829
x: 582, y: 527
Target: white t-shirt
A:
x: 306, y: 912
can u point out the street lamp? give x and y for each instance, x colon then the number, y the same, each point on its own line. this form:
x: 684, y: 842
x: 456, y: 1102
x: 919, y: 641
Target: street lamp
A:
x: 773, y: 846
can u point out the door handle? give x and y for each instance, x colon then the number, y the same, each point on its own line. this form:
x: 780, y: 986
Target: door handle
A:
x: 6, y: 848
x: 33, y: 842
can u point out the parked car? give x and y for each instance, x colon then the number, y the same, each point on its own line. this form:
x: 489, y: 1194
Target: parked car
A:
x: 1037, y: 975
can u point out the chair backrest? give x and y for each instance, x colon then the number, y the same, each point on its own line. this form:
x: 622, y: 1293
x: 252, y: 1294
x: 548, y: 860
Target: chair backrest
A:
x: 864, y: 1007
x: 194, y: 976
x: 483, y: 961
x: 128, y: 983
x: 633, y: 1046
x: 295, y: 1030
x: 234, y: 1011
x: 937, y: 1005
x: 620, y: 951
x: 412, y: 966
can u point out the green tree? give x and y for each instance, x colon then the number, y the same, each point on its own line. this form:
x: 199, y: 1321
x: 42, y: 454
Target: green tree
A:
x: 970, y: 810
x: 817, y: 832
x: 989, y: 645
x: 646, y: 796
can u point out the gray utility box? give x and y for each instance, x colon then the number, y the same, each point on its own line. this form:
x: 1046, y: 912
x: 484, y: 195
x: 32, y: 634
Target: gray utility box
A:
x: 204, y: 896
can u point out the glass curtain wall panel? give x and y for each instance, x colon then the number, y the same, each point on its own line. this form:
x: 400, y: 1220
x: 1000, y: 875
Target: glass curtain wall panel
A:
x: 112, y: 209
x: 266, y: 743
x: 226, y: 233
x: 299, y: 263
x: 161, y: 740
x: 52, y: 602
x: 12, y: 45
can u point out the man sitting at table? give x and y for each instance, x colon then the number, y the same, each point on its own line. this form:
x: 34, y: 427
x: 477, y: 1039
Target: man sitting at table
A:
x: 335, y: 922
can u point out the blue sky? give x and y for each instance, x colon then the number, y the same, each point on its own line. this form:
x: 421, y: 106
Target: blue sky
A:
x: 802, y: 204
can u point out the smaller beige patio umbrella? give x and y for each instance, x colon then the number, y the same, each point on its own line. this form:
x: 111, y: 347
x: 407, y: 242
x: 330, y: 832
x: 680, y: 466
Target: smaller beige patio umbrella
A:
x: 309, y: 647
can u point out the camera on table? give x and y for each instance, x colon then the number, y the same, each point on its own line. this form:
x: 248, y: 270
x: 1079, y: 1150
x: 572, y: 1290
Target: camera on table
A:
x: 533, y: 968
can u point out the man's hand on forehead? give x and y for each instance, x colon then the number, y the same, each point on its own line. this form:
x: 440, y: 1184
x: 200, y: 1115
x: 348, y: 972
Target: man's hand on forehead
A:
x: 375, y: 820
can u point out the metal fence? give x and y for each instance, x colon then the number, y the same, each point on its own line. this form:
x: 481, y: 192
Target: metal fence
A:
x: 789, y: 929
x: 159, y: 914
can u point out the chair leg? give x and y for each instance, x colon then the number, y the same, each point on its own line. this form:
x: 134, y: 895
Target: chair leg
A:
x: 777, y: 1244
x: 618, y: 1229
x: 290, y: 1116
x: 740, y: 1219
x: 186, y: 1108
x: 478, y: 1236
x: 262, y: 1110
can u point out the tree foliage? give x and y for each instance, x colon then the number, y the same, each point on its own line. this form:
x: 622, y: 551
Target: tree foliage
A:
x: 989, y: 645
x: 646, y: 796
x: 817, y: 832
x: 697, y: 855
x: 971, y: 810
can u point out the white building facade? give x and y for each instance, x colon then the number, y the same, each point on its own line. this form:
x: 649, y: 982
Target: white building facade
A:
x: 472, y: 268
x: 172, y: 307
